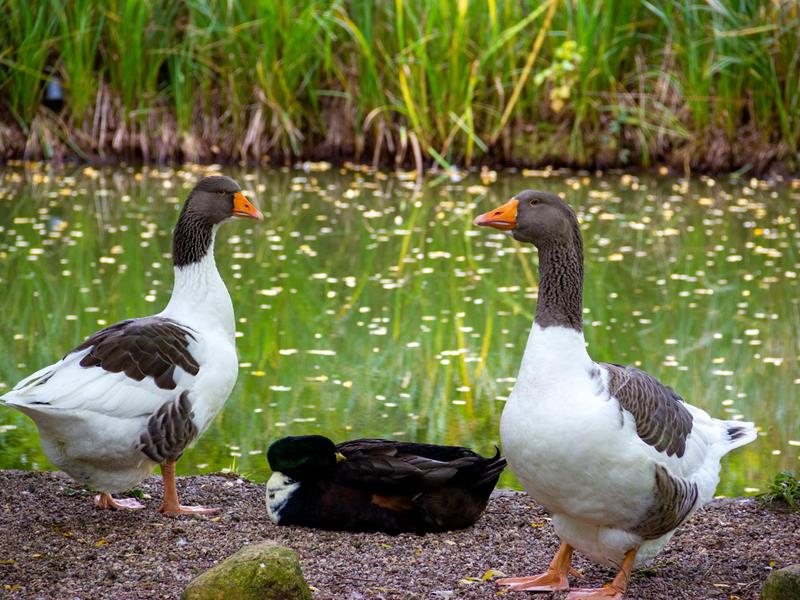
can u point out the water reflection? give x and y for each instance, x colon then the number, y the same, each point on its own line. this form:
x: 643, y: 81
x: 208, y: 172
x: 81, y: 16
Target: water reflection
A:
x: 370, y: 306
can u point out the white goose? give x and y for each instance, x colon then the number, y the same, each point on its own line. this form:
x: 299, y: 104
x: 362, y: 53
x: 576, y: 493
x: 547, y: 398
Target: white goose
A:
x: 617, y: 458
x: 135, y: 394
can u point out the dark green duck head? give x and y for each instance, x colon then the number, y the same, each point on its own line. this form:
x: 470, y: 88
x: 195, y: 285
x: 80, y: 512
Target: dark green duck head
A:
x: 303, y: 456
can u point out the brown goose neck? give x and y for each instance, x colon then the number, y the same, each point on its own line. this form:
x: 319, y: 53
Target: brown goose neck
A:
x: 561, y: 285
x: 191, y: 239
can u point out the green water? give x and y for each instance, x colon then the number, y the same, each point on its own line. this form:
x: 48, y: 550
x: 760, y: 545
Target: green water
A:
x: 367, y: 306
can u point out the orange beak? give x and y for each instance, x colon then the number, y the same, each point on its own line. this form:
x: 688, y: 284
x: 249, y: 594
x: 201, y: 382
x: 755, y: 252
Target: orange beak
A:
x: 503, y: 217
x: 243, y: 208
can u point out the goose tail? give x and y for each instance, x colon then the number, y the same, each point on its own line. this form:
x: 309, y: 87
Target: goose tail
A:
x: 737, y: 433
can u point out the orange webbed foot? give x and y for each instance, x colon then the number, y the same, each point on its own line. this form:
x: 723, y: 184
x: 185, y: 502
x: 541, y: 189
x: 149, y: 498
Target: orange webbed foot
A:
x: 552, y: 580
x: 171, y: 505
x: 549, y: 581
x: 608, y: 592
x: 105, y: 500
x: 180, y: 509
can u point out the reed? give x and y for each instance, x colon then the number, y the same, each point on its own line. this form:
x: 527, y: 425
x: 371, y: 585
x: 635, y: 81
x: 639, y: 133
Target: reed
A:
x: 712, y: 84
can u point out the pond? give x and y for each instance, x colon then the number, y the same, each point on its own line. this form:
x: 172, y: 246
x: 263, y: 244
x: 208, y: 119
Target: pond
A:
x: 368, y: 306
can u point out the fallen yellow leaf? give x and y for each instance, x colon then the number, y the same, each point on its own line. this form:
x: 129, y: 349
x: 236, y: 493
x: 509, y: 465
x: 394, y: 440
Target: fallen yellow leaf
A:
x: 492, y: 573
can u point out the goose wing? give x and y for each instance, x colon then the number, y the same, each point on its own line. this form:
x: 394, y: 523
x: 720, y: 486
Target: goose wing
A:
x: 662, y: 419
x: 128, y: 369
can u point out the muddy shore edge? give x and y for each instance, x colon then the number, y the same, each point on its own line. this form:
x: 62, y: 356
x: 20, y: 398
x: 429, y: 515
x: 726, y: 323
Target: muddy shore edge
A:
x: 55, y: 544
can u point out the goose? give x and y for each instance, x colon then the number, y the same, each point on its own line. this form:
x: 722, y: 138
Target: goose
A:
x: 135, y: 394
x: 377, y: 485
x: 617, y: 458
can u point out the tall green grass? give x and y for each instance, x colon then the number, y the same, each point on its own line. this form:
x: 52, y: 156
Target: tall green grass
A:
x: 587, y: 82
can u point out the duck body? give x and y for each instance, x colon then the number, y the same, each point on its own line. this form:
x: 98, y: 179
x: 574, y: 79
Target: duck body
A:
x: 619, y: 459
x: 379, y: 485
x: 137, y: 393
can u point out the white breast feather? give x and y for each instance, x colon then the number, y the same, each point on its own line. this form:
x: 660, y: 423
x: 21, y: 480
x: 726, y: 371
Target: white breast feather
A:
x: 279, y: 489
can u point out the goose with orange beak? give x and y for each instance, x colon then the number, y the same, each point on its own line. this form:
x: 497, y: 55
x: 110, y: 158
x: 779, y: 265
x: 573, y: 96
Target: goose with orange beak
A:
x: 134, y: 395
x: 619, y: 459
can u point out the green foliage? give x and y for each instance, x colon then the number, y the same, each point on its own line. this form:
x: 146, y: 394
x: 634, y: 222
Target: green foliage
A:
x: 445, y: 80
x: 784, y: 488
x: 26, y: 35
x: 79, y: 26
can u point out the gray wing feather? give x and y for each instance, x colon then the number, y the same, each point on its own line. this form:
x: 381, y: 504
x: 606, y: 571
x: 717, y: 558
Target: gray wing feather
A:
x: 147, y: 347
x: 662, y: 419
x: 673, y: 500
x: 169, y: 430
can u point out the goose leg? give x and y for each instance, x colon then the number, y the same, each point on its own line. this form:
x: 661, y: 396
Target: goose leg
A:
x: 171, y: 505
x: 554, y: 579
x: 105, y: 500
x: 610, y: 591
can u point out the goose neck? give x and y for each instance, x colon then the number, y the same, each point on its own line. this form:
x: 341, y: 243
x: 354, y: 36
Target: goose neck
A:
x: 560, y: 300
x: 199, y: 296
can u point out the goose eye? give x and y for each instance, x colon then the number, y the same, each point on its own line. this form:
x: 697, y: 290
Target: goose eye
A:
x: 533, y: 202
x: 221, y: 191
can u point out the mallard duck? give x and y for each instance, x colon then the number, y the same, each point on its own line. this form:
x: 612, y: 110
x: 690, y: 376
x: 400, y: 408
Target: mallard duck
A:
x: 135, y: 394
x: 377, y: 485
x: 619, y: 459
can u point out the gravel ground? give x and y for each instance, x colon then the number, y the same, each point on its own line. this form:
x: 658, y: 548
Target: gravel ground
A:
x: 55, y: 544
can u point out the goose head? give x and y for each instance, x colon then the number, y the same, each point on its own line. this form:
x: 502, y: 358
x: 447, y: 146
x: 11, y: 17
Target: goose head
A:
x: 539, y: 218
x: 213, y: 201
x: 218, y: 198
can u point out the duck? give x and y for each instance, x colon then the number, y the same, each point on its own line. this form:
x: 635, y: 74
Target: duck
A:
x: 617, y: 458
x: 376, y: 485
x: 135, y: 394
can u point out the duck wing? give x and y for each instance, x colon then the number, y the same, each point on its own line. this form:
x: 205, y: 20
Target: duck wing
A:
x: 387, y: 468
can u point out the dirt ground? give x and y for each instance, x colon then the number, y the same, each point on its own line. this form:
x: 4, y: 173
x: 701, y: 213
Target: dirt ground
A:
x: 55, y: 544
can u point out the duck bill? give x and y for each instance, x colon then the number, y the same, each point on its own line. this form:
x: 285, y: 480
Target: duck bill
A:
x: 243, y: 208
x: 503, y: 217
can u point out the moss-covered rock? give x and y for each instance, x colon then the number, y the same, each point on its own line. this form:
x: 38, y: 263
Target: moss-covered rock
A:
x: 264, y: 571
x: 783, y: 584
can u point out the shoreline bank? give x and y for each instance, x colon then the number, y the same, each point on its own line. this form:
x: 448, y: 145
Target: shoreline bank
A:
x: 56, y: 544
